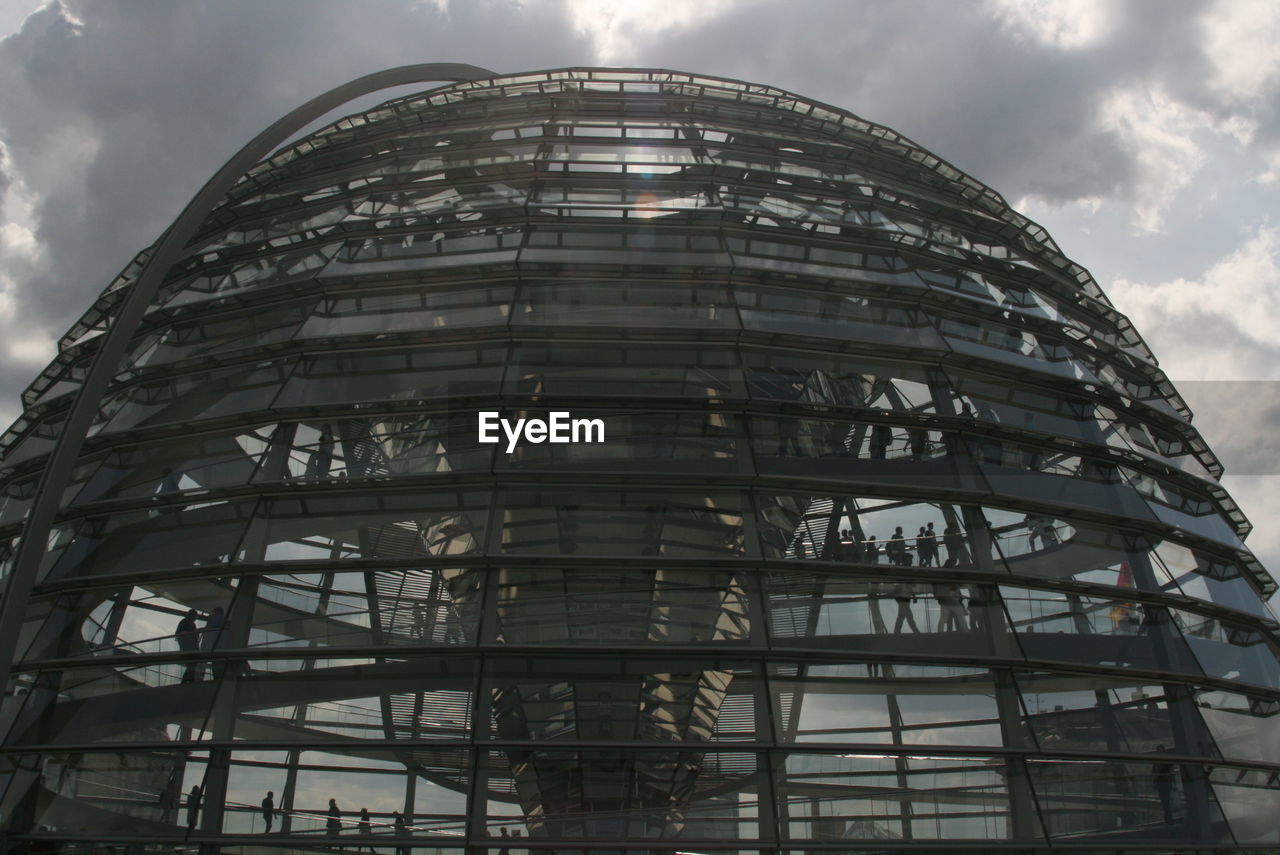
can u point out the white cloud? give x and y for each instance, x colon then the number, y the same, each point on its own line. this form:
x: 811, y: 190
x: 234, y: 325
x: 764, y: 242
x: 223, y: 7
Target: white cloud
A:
x: 614, y: 26
x: 1065, y: 24
x: 1223, y: 325
x: 1159, y: 131
x: 14, y: 12
x: 34, y: 350
x: 1240, y: 41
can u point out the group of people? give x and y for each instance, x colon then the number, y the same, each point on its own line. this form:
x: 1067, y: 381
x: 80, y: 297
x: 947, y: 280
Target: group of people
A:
x: 897, y: 550
x: 333, y: 818
x: 191, y: 637
x: 953, y: 616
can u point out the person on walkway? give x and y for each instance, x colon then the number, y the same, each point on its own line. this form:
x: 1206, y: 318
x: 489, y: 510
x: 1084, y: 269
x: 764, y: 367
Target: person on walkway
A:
x: 398, y: 826
x: 953, y: 540
x: 881, y: 439
x: 365, y: 828
x: 322, y: 456
x: 977, y: 608
x: 896, y: 548
x: 333, y: 825
x: 903, y: 595
x: 952, y: 605
x: 193, y: 805
x: 919, y: 443
x: 188, y: 637
x: 268, y: 810
x: 927, y: 546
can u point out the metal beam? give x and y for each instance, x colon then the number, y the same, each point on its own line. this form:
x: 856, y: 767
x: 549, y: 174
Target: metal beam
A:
x: 115, y: 341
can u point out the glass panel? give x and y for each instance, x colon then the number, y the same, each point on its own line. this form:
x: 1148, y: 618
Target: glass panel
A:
x: 178, y: 465
x: 552, y: 606
x: 401, y: 375
x: 253, y: 331
x: 702, y: 442
x: 1210, y: 579
x: 889, y: 615
x: 384, y: 525
x: 632, y: 701
x: 1096, y: 630
x: 623, y: 523
x: 201, y: 534
x: 1229, y: 651
x: 1102, y: 799
x: 872, y: 530
x: 380, y: 607
x: 892, y: 704
x: 1249, y: 799
x: 627, y: 303
x: 371, y: 312
x: 194, y: 397
x: 1243, y: 728
x: 643, y: 370
x: 387, y: 446
x: 142, y: 793
x: 878, y: 797
x: 856, y: 382
x: 1077, y: 712
x: 844, y: 317
x: 671, y: 794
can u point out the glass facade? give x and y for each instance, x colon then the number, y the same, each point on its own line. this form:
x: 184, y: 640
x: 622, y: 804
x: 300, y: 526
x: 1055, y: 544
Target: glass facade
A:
x: 898, y: 537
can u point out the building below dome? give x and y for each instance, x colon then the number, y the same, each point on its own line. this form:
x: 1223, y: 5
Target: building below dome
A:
x: 896, y: 538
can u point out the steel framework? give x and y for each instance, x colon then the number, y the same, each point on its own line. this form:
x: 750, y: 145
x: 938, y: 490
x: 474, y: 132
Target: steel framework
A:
x: 898, y: 537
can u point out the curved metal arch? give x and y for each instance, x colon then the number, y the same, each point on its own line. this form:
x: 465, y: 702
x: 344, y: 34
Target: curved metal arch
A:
x: 66, y: 450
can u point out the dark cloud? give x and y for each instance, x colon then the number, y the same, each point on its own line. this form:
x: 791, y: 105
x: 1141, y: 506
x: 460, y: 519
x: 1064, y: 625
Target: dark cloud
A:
x: 118, y: 120
x: 1020, y: 116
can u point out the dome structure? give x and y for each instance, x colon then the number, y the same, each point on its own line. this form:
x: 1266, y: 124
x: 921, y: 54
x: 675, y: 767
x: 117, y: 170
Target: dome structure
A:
x: 875, y: 526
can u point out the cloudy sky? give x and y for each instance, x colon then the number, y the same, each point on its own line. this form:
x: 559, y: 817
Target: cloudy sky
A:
x: 1144, y: 135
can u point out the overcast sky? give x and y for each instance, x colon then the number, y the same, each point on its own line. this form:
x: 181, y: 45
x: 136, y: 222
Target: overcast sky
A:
x: 1144, y: 135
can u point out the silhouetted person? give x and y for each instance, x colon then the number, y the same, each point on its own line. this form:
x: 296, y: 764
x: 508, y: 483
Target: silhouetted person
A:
x: 213, y: 626
x: 188, y: 637
x: 902, y: 594
x: 977, y: 608
x: 505, y: 837
x: 919, y: 443
x: 881, y: 438
x: 268, y: 810
x: 953, y: 540
x: 952, y: 606
x: 333, y: 825
x: 896, y: 548
x: 365, y: 828
x: 397, y: 823
x: 871, y: 552
x: 927, y: 546
x: 322, y: 457
x: 193, y: 805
